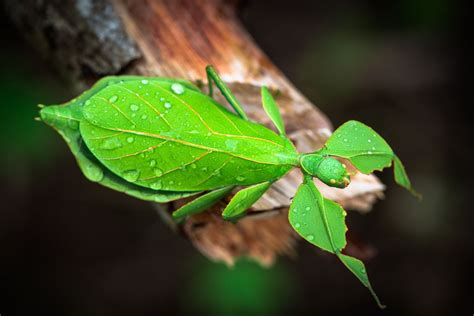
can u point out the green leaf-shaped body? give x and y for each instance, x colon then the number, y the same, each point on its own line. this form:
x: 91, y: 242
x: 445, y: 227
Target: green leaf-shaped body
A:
x: 162, y: 139
x: 166, y: 135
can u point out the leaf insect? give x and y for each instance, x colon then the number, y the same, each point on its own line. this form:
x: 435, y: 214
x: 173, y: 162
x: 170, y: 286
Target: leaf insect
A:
x: 161, y: 139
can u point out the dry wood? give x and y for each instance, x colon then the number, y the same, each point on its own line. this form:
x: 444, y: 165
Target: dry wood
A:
x: 178, y: 39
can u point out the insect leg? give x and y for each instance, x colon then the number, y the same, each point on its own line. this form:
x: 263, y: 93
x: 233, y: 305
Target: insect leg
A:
x: 212, y: 75
x: 201, y: 203
x: 243, y: 200
x: 271, y: 108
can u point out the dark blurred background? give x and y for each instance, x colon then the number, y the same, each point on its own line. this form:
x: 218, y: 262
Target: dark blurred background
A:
x: 70, y: 247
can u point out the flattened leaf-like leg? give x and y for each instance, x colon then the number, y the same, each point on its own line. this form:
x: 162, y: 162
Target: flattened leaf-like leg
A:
x: 366, y: 150
x: 201, y: 203
x: 271, y: 108
x: 322, y: 223
x: 212, y: 75
x: 243, y: 200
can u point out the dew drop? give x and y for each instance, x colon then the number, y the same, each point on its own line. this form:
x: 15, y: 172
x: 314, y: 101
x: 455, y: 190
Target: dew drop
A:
x: 168, y: 105
x: 373, y: 148
x: 144, y: 81
x: 171, y: 182
x: 345, y: 140
x: 87, y: 102
x: 162, y: 99
x: 130, y: 139
x: 307, y: 208
x: 131, y: 175
x: 369, y: 152
x: 204, y: 168
x: 177, y: 88
x: 111, y: 143
x: 144, y: 117
x: 73, y: 124
x: 134, y: 107
x: 369, y: 140
x: 156, y: 185
x: 158, y: 172
x: 295, y: 210
x: 297, y: 225
x: 310, y: 237
x: 240, y: 178
x: 193, y: 166
x: 93, y: 173
x: 113, y: 98
x: 152, y: 163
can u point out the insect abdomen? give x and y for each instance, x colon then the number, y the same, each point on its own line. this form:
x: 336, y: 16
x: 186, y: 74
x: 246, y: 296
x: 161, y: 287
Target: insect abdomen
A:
x: 167, y: 137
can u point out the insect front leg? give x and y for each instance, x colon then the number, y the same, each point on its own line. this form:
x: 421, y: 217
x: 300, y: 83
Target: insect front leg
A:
x: 212, y: 75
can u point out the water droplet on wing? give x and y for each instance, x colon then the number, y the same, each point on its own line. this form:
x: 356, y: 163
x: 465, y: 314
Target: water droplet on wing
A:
x: 131, y: 175
x: 144, y: 81
x: 240, y: 178
x: 310, y: 237
x: 73, y: 124
x: 177, y: 88
x: 130, y: 139
x: 168, y: 105
x: 158, y: 172
x: 157, y: 185
x: 93, y: 172
x: 134, y: 107
x: 152, y: 163
x: 111, y: 143
x: 113, y: 98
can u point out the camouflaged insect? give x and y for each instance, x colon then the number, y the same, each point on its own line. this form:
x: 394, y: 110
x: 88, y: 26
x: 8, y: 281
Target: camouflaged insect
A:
x: 160, y: 139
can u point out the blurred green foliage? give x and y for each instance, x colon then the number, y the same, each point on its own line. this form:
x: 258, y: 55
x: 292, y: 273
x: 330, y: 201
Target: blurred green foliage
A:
x: 245, y: 289
x: 24, y: 85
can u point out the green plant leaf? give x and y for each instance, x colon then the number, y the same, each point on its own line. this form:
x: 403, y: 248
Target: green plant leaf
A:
x: 244, y: 199
x: 366, y: 150
x: 322, y: 223
x: 201, y: 203
x: 272, y: 110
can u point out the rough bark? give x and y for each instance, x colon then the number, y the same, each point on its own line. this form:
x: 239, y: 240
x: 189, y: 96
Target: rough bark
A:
x: 87, y: 39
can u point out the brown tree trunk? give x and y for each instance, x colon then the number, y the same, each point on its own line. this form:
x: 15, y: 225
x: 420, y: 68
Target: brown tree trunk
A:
x: 89, y: 39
